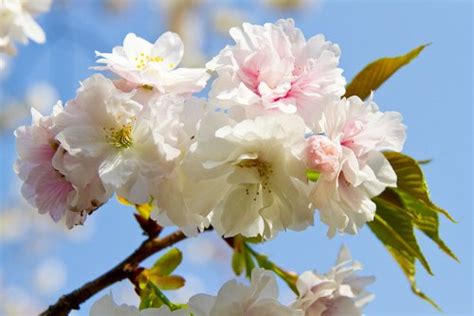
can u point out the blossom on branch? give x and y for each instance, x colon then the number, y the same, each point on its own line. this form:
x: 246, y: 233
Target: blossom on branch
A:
x: 144, y: 64
x: 273, y: 68
x: 338, y: 292
x: 349, y: 158
x: 47, y: 185
x: 251, y: 175
x: 235, y: 299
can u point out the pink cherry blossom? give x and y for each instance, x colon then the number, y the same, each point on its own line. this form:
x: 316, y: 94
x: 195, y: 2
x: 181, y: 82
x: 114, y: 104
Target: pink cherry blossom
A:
x: 273, y: 68
x: 322, y: 154
x: 42, y: 165
x: 360, y: 132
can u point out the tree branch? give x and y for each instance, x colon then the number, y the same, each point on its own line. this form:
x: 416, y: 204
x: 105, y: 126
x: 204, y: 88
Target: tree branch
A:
x: 123, y: 270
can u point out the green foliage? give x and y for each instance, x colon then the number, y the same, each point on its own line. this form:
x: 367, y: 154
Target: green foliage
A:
x: 403, y: 209
x: 246, y: 258
x: 377, y: 72
x: 152, y: 281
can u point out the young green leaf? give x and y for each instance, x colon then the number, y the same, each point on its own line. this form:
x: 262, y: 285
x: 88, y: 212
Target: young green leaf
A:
x: 167, y: 263
x: 169, y: 282
x: 395, y: 231
x: 425, y: 218
x: 377, y: 72
x: 410, y: 179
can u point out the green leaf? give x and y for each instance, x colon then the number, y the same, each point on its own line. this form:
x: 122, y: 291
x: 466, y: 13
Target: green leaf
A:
x: 395, y: 230
x: 238, y: 262
x: 152, y: 297
x: 410, y: 179
x: 167, y: 263
x: 169, y: 282
x: 290, y: 278
x: 426, y: 219
x: 400, y: 210
x: 377, y: 72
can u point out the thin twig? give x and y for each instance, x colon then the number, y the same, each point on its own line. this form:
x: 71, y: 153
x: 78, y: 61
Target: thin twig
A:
x: 123, y: 270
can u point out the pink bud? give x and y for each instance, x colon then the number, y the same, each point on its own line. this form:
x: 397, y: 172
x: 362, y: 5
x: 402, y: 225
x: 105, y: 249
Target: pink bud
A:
x: 322, y: 154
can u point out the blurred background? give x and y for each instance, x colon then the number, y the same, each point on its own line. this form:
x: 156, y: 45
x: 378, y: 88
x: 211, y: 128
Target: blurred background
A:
x: 39, y: 260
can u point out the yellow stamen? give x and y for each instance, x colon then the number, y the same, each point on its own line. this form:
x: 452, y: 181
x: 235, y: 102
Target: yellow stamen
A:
x: 121, y: 138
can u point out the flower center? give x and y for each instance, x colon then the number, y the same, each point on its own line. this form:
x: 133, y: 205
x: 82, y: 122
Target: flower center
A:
x: 143, y: 59
x: 264, y: 170
x: 120, y: 138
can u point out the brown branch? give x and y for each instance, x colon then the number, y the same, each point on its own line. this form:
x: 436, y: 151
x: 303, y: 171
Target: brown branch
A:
x: 123, y: 270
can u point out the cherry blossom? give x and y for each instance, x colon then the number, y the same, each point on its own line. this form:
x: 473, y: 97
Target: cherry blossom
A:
x: 17, y: 23
x: 273, y: 68
x: 338, y: 292
x: 154, y: 65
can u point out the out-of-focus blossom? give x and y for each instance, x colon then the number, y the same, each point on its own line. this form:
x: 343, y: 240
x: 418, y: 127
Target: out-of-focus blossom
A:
x: 12, y: 226
x: 338, y: 292
x: 4, y: 66
x: 185, y: 18
x: 15, y: 301
x: 50, y: 276
x: 41, y: 96
x: 255, y: 166
x: 272, y: 68
x: 353, y: 169
x: 145, y: 64
x: 225, y: 18
x: 260, y: 298
x: 17, y: 23
x: 117, y: 6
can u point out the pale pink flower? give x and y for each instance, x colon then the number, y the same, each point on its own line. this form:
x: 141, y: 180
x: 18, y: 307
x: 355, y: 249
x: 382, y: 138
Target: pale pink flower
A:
x: 338, y: 292
x: 322, y: 154
x: 129, y: 142
x: 145, y: 64
x: 273, y: 68
x: 47, y: 186
x: 360, y: 132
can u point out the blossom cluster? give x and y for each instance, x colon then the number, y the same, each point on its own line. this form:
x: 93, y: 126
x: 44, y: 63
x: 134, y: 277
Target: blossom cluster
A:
x: 237, y: 160
x: 17, y: 23
x: 338, y: 292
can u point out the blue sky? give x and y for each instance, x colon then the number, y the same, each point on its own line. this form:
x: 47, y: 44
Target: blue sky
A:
x: 434, y: 94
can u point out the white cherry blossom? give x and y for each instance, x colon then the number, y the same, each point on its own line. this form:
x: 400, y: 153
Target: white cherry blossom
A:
x: 273, y: 68
x: 236, y: 299
x: 338, y: 292
x: 154, y: 65
x: 171, y: 195
x: 106, y: 125
x: 250, y: 175
x: 17, y: 23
